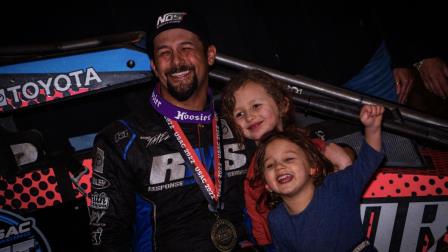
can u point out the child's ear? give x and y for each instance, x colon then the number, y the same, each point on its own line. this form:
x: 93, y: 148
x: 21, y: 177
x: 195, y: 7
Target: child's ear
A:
x: 285, y: 105
x: 268, y: 188
x: 313, y: 171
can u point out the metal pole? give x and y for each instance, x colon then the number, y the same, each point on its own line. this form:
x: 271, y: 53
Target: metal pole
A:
x: 333, y: 91
x: 423, y: 133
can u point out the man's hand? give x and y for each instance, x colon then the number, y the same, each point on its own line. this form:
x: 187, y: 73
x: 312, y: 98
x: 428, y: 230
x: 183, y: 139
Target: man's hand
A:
x: 404, y: 80
x: 434, y: 74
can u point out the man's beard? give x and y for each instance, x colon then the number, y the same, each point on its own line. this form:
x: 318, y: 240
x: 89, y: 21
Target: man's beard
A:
x: 184, y: 91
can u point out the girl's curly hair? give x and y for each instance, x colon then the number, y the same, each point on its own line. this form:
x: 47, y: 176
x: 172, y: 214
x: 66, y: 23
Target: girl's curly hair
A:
x: 315, y: 158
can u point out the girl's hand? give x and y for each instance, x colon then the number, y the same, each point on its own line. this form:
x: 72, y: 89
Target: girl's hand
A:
x: 371, y: 115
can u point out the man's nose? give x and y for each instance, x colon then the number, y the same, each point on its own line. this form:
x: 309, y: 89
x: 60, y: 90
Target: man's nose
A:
x: 178, y: 58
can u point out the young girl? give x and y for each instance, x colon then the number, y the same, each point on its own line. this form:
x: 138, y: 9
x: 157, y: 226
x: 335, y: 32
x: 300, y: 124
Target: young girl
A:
x: 320, y: 211
x: 254, y: 103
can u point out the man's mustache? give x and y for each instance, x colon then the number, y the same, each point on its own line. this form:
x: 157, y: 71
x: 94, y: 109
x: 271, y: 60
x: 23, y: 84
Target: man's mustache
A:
x: 180, y: 68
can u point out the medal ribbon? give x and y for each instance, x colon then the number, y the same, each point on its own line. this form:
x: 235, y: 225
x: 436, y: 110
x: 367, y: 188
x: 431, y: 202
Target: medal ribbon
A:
x: 211, y: 190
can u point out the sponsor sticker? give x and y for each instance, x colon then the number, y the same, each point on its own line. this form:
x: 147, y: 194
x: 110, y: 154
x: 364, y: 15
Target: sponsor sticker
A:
x: 95, y: 217
x: 20, y: 234
x: 172, y: 17
x: 121, y: 135
x: 153, y: 140
x: 99, y: 182
x: 99, y: 161
x: 96, y: 236
x: 100, y: 201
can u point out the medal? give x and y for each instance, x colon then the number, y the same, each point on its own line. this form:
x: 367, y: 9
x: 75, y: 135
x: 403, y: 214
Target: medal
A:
x: 223, y: 235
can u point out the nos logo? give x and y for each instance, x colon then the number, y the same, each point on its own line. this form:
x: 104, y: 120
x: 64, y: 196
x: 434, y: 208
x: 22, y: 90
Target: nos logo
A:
x: 172, y: 17
x: 20, y: 234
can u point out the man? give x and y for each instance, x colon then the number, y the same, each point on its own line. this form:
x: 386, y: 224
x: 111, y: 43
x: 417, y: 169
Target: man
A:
x: 169, y: 177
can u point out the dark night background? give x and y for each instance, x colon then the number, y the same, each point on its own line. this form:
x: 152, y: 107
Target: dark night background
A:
x: 234, y: 28
x: 237, y: 27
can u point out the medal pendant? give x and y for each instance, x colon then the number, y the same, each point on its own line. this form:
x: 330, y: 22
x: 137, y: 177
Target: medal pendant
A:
x: 223, y: 235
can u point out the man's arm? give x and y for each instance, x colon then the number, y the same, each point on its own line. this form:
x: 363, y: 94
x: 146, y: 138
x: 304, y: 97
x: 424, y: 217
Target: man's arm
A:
x: 112, y: 206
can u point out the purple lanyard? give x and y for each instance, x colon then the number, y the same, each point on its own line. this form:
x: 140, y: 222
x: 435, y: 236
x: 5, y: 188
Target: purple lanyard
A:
x: 179, y: 114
